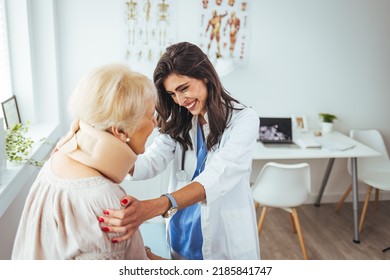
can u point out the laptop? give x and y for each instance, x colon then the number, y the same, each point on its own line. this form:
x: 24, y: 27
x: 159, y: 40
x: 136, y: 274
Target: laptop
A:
x: 276, y: 131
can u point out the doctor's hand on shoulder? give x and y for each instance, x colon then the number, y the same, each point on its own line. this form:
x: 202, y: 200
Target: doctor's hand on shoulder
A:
x: 134, y: 212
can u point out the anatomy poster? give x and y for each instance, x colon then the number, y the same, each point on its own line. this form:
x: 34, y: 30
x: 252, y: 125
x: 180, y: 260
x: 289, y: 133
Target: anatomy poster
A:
x: 224, y: 29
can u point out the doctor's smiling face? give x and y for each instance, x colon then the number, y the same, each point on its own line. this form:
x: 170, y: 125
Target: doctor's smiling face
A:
x: 187, y: 92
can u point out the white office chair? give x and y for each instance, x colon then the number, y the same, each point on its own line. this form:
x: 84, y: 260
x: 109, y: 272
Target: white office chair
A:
x: 374, y: 171
x: 284, y: 186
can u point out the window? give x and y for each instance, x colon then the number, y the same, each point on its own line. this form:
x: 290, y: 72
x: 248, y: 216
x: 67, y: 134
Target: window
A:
x: 5, y: 77
x: 28, y: 68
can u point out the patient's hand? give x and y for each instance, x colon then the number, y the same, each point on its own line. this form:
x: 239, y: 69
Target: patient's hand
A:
x: 151, y: 255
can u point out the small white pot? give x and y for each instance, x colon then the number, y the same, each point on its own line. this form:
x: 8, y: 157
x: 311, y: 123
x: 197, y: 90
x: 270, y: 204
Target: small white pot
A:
x: 327, y: 127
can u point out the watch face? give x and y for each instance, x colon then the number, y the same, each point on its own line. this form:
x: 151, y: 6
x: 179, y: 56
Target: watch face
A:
x: 170, y: 212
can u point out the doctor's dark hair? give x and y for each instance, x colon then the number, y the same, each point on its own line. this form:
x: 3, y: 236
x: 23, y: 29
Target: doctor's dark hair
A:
x: 189, y: 60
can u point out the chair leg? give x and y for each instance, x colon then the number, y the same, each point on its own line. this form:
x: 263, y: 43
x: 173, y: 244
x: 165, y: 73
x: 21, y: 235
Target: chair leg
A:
x: 376, y: 199
x: 261, y: 220
x: 257, y: 205
x: 368, y: 194
x: 347, y: 192
x: 299, y: 231
x: 293, y: 227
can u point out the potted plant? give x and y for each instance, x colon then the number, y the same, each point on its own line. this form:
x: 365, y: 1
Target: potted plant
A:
x: 327, y: 122
x: 18, y: 145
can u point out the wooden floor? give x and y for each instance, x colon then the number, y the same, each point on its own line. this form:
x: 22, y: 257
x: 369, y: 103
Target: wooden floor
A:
x: 327, y: 234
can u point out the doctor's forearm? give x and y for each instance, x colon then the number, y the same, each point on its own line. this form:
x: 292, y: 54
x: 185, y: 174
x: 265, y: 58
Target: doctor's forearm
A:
x: 189, y: 195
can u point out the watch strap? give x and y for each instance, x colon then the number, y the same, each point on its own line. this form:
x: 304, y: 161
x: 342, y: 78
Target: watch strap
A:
x: 172, y: 200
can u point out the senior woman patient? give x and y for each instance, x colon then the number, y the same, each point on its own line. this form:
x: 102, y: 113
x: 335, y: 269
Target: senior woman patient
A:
x: 113, y: 108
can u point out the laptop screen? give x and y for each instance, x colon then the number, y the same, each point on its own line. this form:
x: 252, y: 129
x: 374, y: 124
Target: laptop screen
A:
x: 275, y: 130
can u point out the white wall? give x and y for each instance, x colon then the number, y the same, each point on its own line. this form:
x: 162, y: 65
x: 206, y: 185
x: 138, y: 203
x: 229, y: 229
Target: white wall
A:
x: 10, y: 220
x: 310, y: 56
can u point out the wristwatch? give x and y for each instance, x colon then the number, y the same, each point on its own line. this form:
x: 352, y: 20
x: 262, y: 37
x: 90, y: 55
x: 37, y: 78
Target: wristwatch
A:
x: 171, y: 211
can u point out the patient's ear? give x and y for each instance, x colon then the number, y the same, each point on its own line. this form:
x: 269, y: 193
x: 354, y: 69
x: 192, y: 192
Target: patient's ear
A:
x: 118, y: 133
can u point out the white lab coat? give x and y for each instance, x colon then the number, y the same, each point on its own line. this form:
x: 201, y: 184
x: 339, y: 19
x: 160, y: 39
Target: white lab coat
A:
x: 228, y: 216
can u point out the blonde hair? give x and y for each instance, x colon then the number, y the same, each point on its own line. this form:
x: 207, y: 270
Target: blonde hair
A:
x: 112, y: 96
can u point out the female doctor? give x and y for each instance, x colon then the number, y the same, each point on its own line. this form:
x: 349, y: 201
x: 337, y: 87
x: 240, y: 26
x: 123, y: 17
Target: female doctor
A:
x: 210, y: 137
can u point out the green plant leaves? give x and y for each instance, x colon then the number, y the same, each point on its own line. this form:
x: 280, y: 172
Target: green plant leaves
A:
x: 18, y: 145
x: 329, y: 118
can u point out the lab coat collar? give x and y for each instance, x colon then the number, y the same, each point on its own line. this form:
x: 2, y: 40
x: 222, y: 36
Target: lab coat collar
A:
x: 206, y: 127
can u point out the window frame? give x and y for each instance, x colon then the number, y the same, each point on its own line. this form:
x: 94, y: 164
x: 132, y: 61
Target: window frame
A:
x: 5, y: 70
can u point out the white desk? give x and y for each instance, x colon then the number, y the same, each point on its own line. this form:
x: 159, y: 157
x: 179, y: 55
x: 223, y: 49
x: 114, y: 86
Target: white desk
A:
x: 358, y: 150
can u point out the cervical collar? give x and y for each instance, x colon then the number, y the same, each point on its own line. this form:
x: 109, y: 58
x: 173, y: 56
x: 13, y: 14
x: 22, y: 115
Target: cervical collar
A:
x: 98, y: 149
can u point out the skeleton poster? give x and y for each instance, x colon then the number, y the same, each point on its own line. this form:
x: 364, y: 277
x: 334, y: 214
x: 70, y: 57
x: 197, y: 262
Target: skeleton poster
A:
x: 148, y: 28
